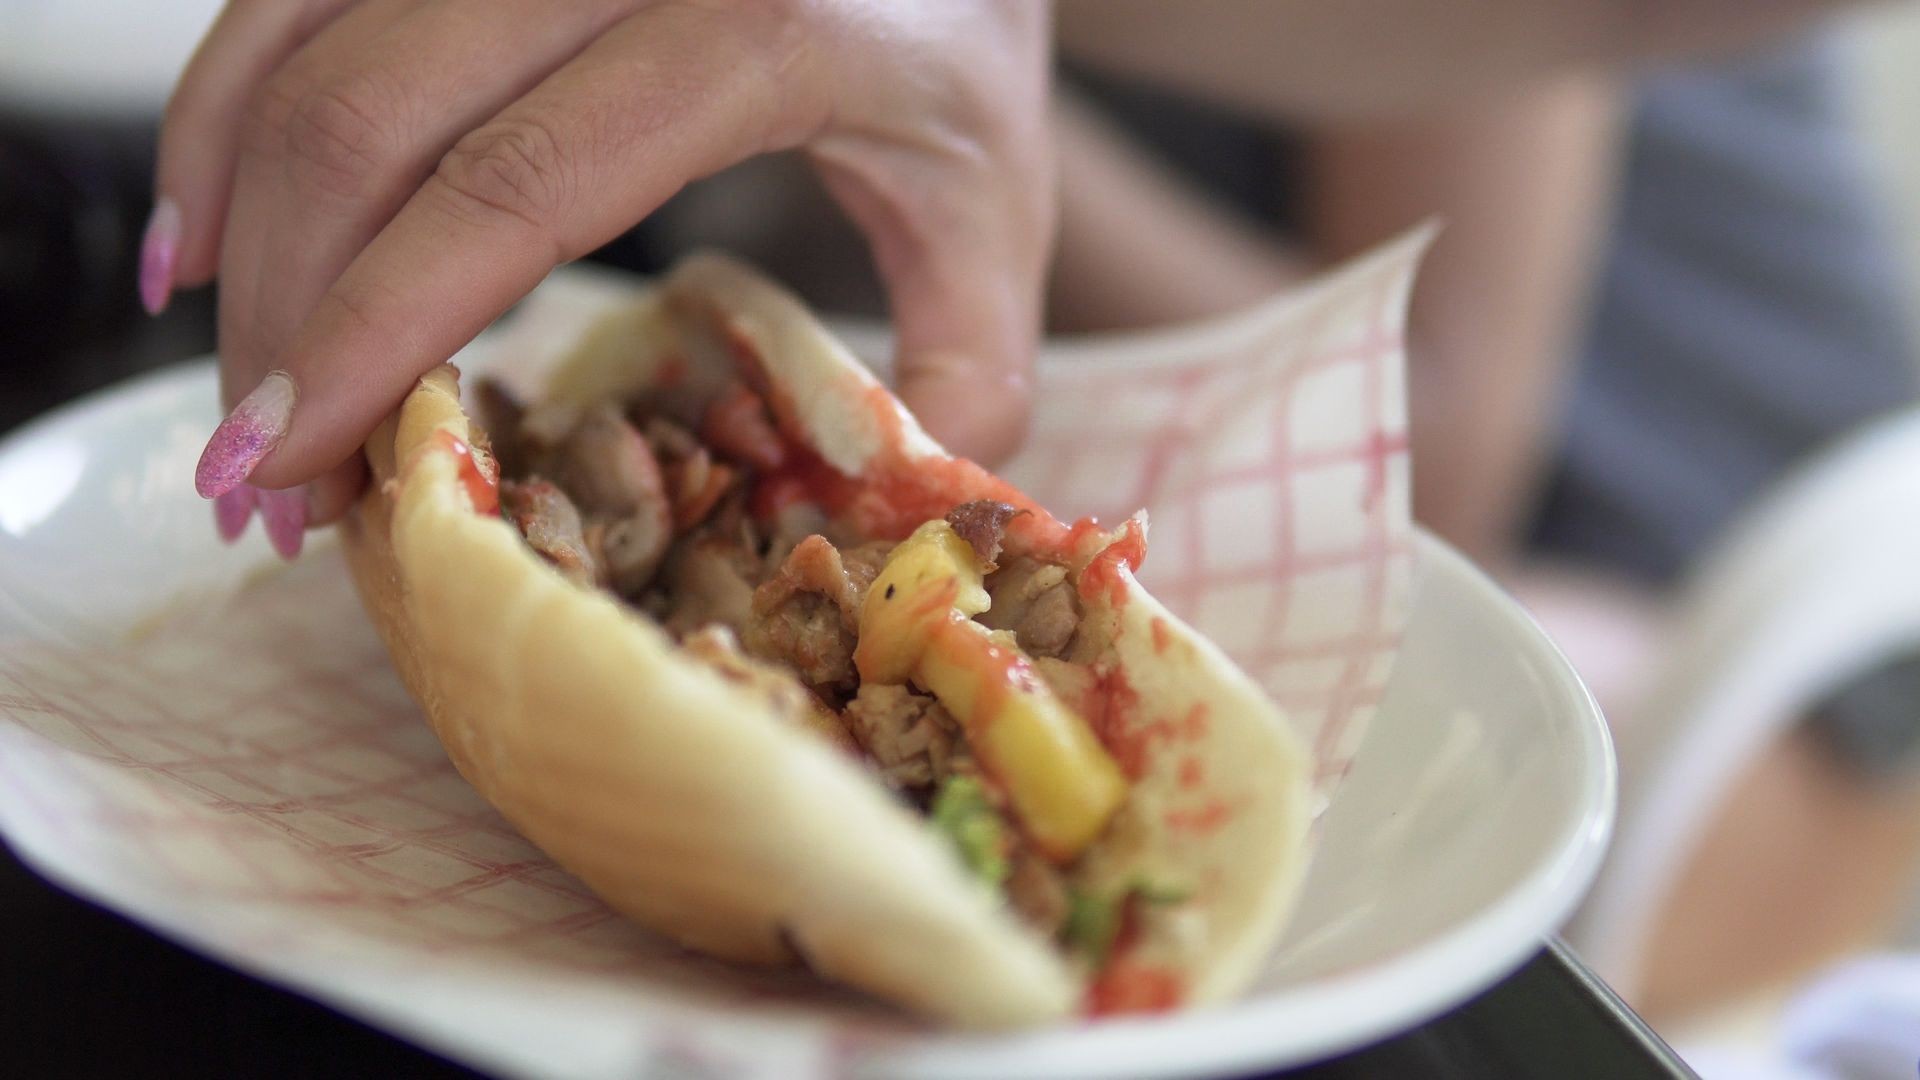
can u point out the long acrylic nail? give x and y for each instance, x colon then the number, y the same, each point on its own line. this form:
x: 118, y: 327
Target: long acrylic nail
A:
x: 284, y: 514
x: 233, y: 509
x: 159, y: 252
x: 249, y: 433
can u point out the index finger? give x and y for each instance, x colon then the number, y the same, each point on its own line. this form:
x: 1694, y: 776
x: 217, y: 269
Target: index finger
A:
x: 672, y: 94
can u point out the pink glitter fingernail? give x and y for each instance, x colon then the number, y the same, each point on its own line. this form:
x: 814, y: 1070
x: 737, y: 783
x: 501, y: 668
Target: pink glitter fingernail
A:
x: 284, y: 514
x: 159, y: 252
x: 249, y: 433
x: 232, y: 511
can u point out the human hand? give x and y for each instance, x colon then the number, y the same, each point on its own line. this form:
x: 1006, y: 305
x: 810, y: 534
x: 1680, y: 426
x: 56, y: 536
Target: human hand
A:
x: 374, y: 181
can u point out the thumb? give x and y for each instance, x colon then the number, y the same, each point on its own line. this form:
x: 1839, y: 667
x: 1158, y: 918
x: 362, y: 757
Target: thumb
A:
x: 965, y: 285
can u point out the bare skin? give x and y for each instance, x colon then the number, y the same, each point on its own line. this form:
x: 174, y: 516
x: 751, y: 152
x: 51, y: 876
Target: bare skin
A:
x: 1311, y: 61
x: 1802, y: 864
x: 1141, y: 247
x: 1772, y: 894
x: 1522, y: 186
x: 374, y: 181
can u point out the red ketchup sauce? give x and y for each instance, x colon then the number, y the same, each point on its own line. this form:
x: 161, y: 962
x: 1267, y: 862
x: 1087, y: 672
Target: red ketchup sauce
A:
x: 1125, y: 985
x: 480, y: 476
x: 1128, y: 987
x: 1103, y: 574
x: 1206, y: 818
x: 999, y: 673
x: 1162, y: 637
x: 1110, y: 708
x: 896, y: 493
x: 1193, y: 773
x: 737, y: 424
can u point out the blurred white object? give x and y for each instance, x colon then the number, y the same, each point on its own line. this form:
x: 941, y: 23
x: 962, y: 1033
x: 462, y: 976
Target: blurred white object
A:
x: 1861, y: 1022
x: 1815, y: 586
x: 1739, y: 1063
x: 1858, y: 1021
x: 96, y: 56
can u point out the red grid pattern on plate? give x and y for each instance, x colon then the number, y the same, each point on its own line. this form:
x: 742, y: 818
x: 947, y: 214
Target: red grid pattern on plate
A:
x: 1180, y: 434
x: 408, y: 855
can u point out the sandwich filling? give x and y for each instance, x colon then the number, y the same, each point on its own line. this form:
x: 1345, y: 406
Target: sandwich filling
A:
x: 966, y: 671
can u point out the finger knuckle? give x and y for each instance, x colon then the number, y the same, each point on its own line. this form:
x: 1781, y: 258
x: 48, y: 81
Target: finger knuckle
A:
x: 353, y: 311
x: 769, y: 39
x: 515, y: 168
x: 335, y: 138
x: 994, y: 163
x: 989, y: 112
x: 264, y: 125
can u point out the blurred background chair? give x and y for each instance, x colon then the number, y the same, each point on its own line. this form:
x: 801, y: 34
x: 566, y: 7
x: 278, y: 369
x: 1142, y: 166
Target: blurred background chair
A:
x: 1817, y: 586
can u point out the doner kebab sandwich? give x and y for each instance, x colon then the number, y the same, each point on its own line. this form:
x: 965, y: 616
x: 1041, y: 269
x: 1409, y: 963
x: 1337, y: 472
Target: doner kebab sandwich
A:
x: 716, y: 625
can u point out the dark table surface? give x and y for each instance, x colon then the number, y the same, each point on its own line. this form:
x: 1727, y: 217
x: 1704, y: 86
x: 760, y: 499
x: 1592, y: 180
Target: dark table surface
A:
x: 86, y: 993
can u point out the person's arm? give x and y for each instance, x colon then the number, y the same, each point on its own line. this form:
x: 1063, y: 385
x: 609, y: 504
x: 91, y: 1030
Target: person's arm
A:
x: 1140, y: 247
x: 1311, y: 59
x: 1522, y: 187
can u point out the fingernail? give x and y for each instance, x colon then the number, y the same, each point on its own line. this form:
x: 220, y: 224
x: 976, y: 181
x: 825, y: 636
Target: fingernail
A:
x: 159, y: 250
x: 284, y: 514
x: 249, y: 433
x: 232, y: 510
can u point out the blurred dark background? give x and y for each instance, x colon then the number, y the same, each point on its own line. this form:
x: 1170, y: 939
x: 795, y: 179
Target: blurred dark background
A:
x: 74, y: 195
x: 75, y: 191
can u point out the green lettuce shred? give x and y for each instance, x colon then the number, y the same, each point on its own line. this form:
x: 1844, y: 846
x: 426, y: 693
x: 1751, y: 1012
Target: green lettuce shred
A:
x: 964, y: 814
x: 1091, y: 924
x: 1093, y: 918
x: 1162, y: 891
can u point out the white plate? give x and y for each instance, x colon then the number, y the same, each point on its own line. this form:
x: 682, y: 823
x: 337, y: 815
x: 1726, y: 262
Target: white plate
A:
x: 1472, y: 823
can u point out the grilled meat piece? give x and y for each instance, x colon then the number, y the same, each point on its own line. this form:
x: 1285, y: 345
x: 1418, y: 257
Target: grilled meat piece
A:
x: 613, y: 477
x: 806, y: 615
x: 738, y: 427
x: 790, y: 702
x: 910, y: 737
x: 551, y: 525
x: 500, y: 414
x: 1037, y: 891
x: 710, y: 578
x: 1035, y: 600
x: 983, y: 524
